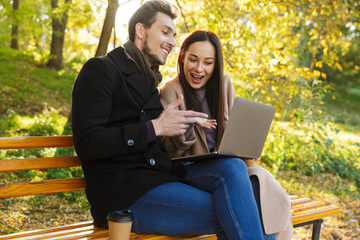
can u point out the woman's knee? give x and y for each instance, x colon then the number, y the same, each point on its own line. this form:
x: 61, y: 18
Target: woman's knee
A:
x: 231, y: 170
x: 233, y: 166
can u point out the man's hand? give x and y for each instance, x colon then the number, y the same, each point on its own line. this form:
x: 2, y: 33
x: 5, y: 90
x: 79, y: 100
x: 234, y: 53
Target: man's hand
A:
x: 172, y: 121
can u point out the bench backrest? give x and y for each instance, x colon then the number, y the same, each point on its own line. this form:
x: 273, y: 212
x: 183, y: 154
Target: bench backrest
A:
x: 38, y: 187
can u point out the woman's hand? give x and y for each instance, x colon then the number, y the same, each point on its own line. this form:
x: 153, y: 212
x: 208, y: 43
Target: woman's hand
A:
x: 252, y: 162
x: 172, y: 121
x: 206, y: 123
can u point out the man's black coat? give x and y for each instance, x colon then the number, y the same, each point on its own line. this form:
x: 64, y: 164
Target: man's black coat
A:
x: 111, y: 103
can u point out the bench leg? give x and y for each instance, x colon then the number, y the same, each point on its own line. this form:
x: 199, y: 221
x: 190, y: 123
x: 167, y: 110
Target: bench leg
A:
x: 316, y: 230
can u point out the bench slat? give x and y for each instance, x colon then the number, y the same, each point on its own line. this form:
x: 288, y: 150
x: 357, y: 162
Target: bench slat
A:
x: 300, y: 201
x: 41, y: 187
x: 47, y: 230
x: 314, y: 214
x: 315, y: 210
x: 35, y: 142
x: 78, y: 233
x: 86, y: 230
x: 63, y: 234
x: 306, y: 206
x: 293, y: 197
x: 38, y: 163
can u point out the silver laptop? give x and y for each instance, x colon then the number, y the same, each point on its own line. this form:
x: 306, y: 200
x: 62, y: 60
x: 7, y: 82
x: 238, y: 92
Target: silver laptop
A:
x: 245, y: 133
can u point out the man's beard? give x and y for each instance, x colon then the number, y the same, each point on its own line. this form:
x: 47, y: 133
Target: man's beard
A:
x: 153, y: 59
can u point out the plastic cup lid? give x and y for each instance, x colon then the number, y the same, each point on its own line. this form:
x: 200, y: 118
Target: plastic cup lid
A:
x: 121, y: 216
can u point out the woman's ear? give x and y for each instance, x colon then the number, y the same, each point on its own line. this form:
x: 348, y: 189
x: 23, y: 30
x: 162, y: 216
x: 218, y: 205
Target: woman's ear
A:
x: 139, y: 31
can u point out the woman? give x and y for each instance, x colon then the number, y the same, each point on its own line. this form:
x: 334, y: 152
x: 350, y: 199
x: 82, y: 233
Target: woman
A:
x: 205, y: 87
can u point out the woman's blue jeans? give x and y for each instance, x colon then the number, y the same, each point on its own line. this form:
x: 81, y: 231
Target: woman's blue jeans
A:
x: 219, y: 200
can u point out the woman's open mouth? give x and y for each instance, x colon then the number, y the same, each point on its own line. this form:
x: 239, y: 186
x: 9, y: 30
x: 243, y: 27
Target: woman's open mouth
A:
x: 196, y: 78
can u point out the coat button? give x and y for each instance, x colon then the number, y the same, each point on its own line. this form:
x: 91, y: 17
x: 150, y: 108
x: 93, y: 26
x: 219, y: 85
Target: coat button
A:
x: 142, y: 112
x: 152, y: 161
x: 130, y: 142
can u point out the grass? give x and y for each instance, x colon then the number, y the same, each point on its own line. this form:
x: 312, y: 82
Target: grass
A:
x: 343, y: 104
x: 41, y: 211
x: 28, y: 88
x: 36, y: 101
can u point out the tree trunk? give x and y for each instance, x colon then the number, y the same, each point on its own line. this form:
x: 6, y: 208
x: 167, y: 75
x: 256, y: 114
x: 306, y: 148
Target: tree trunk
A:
x: 57, y: 42
x: 15, y: 26
x: 109, y: 24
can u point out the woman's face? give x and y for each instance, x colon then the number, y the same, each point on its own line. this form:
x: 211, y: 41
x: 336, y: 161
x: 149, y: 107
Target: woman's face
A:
x: 199, y: 63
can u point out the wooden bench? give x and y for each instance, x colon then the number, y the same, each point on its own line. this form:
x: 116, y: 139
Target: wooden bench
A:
x: 306, y: 211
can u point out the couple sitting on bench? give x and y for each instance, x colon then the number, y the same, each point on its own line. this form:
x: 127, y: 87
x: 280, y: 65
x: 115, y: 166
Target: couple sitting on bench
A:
x: 125, y: 139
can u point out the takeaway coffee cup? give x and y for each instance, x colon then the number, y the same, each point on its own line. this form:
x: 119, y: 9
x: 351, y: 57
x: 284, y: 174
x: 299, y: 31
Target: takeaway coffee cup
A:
x: 120, y: 224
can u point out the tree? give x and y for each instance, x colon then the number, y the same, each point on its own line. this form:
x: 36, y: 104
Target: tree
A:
x: 275, y: 49
x: 59, y: 19
x: 109, y: 24
x: 15, y: 26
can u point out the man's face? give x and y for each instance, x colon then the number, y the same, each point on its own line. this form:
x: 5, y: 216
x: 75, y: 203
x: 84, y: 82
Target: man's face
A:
x: 159, y: 40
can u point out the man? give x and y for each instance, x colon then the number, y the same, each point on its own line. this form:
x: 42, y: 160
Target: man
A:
x: 117, y: 118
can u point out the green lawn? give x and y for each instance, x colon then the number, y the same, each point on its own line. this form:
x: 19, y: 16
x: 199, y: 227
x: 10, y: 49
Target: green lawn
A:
x: 28, y: 89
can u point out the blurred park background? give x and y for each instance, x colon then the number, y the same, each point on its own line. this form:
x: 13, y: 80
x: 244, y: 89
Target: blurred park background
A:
x: 302, y: 56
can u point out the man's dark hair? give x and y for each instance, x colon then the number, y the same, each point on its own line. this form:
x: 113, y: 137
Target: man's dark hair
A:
x: 146, y: 14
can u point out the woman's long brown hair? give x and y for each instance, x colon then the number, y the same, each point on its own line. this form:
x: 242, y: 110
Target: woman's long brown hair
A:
x: 214, y: 86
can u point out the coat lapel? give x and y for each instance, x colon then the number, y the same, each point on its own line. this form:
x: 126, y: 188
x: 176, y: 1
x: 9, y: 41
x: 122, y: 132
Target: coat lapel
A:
x: 137, y: 83
x: 202, y: 139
